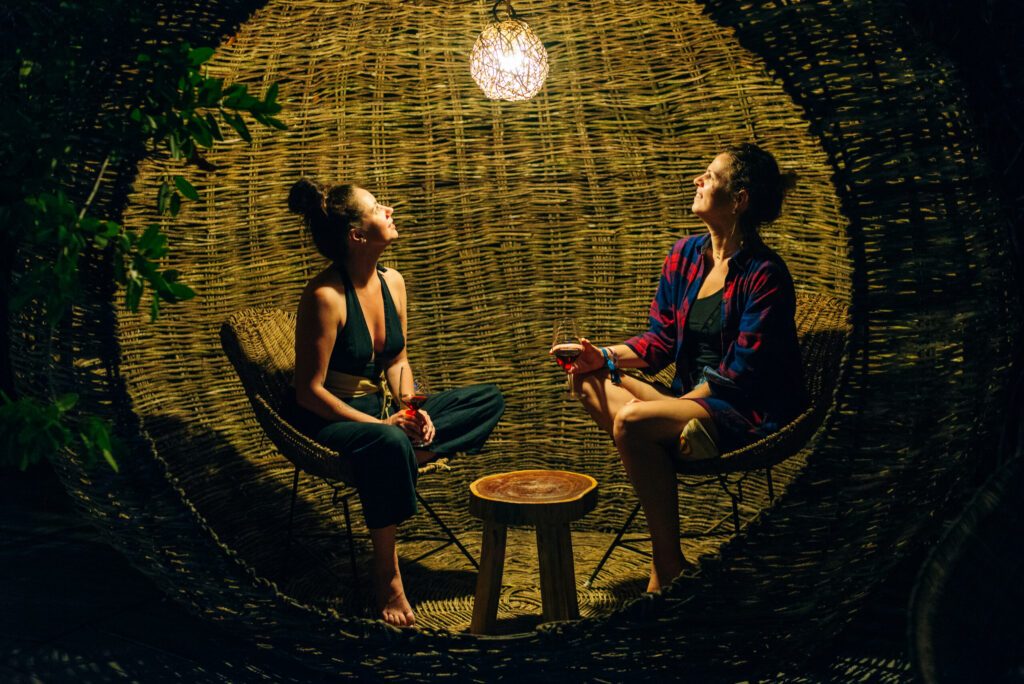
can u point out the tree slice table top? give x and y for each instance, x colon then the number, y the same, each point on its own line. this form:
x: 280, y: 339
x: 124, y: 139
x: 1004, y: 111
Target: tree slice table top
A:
x: 529, y: 497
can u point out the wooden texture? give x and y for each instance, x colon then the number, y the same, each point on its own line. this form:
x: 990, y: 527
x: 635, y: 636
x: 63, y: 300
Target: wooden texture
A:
x: 530, y: 497
x: 488, y: 583
x: 557, y: 575
x: 549, y: 500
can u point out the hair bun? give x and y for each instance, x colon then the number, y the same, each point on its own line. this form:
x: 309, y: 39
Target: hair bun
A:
x: 306, y: 197
x: 788, y: 180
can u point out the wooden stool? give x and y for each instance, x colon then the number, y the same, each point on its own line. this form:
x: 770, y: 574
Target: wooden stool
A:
x: 548, y: 500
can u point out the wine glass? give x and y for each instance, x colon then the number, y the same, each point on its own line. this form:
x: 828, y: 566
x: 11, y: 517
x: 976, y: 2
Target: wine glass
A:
x: 566, y: 348
x: 414, y: 400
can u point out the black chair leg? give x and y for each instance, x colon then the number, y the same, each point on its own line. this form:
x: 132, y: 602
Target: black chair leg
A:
x: 734, y: 499
x: 351, y: 541
x: 291, y: 516
x: 448, y: 533
x: 611, y: 547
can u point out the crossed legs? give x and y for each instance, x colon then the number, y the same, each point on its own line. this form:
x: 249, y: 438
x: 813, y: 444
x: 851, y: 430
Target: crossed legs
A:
x: 645, y: 424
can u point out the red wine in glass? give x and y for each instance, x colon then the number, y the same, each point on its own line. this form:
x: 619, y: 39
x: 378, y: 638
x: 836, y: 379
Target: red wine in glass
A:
x: 566, y: 348
x: 414, y: 402
x: 566, y: 353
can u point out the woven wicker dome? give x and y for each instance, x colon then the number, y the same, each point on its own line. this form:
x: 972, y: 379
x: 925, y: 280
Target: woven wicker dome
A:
x: 513, y: 215
x: 510, y: 217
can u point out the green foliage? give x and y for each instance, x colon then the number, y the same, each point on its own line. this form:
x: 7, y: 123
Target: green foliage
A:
x: 184, y: 108
x: 178, y: 116
x: 180, y: 112
x: 34, y: 430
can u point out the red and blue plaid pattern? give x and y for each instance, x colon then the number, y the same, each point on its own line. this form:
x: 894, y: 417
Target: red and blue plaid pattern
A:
x: 758, y: 386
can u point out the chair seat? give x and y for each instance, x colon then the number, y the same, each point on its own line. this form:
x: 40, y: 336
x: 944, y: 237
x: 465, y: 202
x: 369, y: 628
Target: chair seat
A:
x: 763, y: 453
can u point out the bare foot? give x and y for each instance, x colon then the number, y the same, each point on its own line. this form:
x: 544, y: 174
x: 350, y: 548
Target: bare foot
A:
x: 652, y: 583
x: 423, y: 457
x: 394, y: 607
x: 673, y: 570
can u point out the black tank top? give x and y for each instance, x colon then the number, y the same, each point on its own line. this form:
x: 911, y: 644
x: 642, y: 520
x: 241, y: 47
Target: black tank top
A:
x: 703, y: 336
x: 353, y: 347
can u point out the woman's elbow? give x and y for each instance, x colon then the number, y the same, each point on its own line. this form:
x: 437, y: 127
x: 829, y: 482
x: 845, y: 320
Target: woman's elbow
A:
x: 306, y: 397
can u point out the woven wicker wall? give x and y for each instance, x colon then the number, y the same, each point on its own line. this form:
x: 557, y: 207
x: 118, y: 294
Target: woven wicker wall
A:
x: 510, y: 216
x: 566, y: 204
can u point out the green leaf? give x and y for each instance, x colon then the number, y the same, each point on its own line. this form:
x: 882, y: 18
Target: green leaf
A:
x: 277, y: 123
x: 237, y: 123
x: 163, y: 198
x: 180, y: 292
x: 65, y: 402
x: 152, y: 240
x: 175, y: 144
x: 211, y: 91
x: 186, y: 188
x: 108, y: 456
x: 271, y: 95
x: 110, y: 229
x: 200, y: 132
x: 175, y: 205
x: 133, y: 293
x: 200, y: 55
x: 215, y: 131
x: 98, y: 439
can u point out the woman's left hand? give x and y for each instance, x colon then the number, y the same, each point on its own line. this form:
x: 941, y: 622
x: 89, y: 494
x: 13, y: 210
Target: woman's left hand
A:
x: 427, y: 430
x: 589, y: 360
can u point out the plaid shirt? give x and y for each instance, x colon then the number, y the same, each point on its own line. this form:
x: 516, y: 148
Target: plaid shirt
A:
x: 760, y: 375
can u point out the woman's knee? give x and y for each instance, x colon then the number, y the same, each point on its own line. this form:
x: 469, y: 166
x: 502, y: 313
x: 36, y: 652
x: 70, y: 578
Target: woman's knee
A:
x: 590, y: 388
x: 626, y: 422
x: 392, y: 439
x: 493, y: 397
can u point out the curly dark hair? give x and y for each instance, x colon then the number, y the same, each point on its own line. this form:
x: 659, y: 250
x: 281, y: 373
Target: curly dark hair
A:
x: 329, y: 212
x: 756, y: 171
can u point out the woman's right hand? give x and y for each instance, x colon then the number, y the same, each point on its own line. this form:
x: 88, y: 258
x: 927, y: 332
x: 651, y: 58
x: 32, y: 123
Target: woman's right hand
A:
x: 411, y: 422
x: 589, y: 360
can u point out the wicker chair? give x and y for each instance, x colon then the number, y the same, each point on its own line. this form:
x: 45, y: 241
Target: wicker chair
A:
x: 260, y: 343
x: 821, y: 325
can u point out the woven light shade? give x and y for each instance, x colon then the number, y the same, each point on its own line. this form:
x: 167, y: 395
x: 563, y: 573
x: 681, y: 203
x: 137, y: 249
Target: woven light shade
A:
x: 508, y: 61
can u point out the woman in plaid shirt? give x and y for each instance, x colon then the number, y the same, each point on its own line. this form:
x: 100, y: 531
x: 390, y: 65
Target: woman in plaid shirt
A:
x: 723, y: 312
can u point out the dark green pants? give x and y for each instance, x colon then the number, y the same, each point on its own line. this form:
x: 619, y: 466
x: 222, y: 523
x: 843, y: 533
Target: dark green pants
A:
x: 383, y: 458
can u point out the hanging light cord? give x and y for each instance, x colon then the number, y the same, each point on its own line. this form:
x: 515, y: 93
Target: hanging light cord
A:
x: 508, y: 8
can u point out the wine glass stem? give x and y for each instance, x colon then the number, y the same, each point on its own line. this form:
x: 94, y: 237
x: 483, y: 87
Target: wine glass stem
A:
x: 571, y: 385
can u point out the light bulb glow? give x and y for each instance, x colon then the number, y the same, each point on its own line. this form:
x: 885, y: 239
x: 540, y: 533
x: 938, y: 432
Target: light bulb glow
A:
x: 508, y: 61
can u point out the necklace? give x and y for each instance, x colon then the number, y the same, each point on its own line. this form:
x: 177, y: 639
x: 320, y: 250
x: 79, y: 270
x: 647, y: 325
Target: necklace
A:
x: 723, y: 256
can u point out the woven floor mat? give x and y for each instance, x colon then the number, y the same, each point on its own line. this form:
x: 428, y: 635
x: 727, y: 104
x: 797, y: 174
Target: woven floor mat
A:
x: 441, y: 586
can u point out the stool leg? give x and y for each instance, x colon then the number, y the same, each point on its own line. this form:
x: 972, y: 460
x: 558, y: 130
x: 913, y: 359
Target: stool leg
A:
x: 488, y: 581
x: 557, y: 575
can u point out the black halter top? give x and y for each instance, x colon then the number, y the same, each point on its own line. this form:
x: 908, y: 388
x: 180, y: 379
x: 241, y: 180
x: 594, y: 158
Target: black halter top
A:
x: 353, y: 347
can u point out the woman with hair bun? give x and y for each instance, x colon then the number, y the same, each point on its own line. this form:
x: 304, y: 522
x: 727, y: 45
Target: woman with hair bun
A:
x: 350, y: 346
x: 724, y: 314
